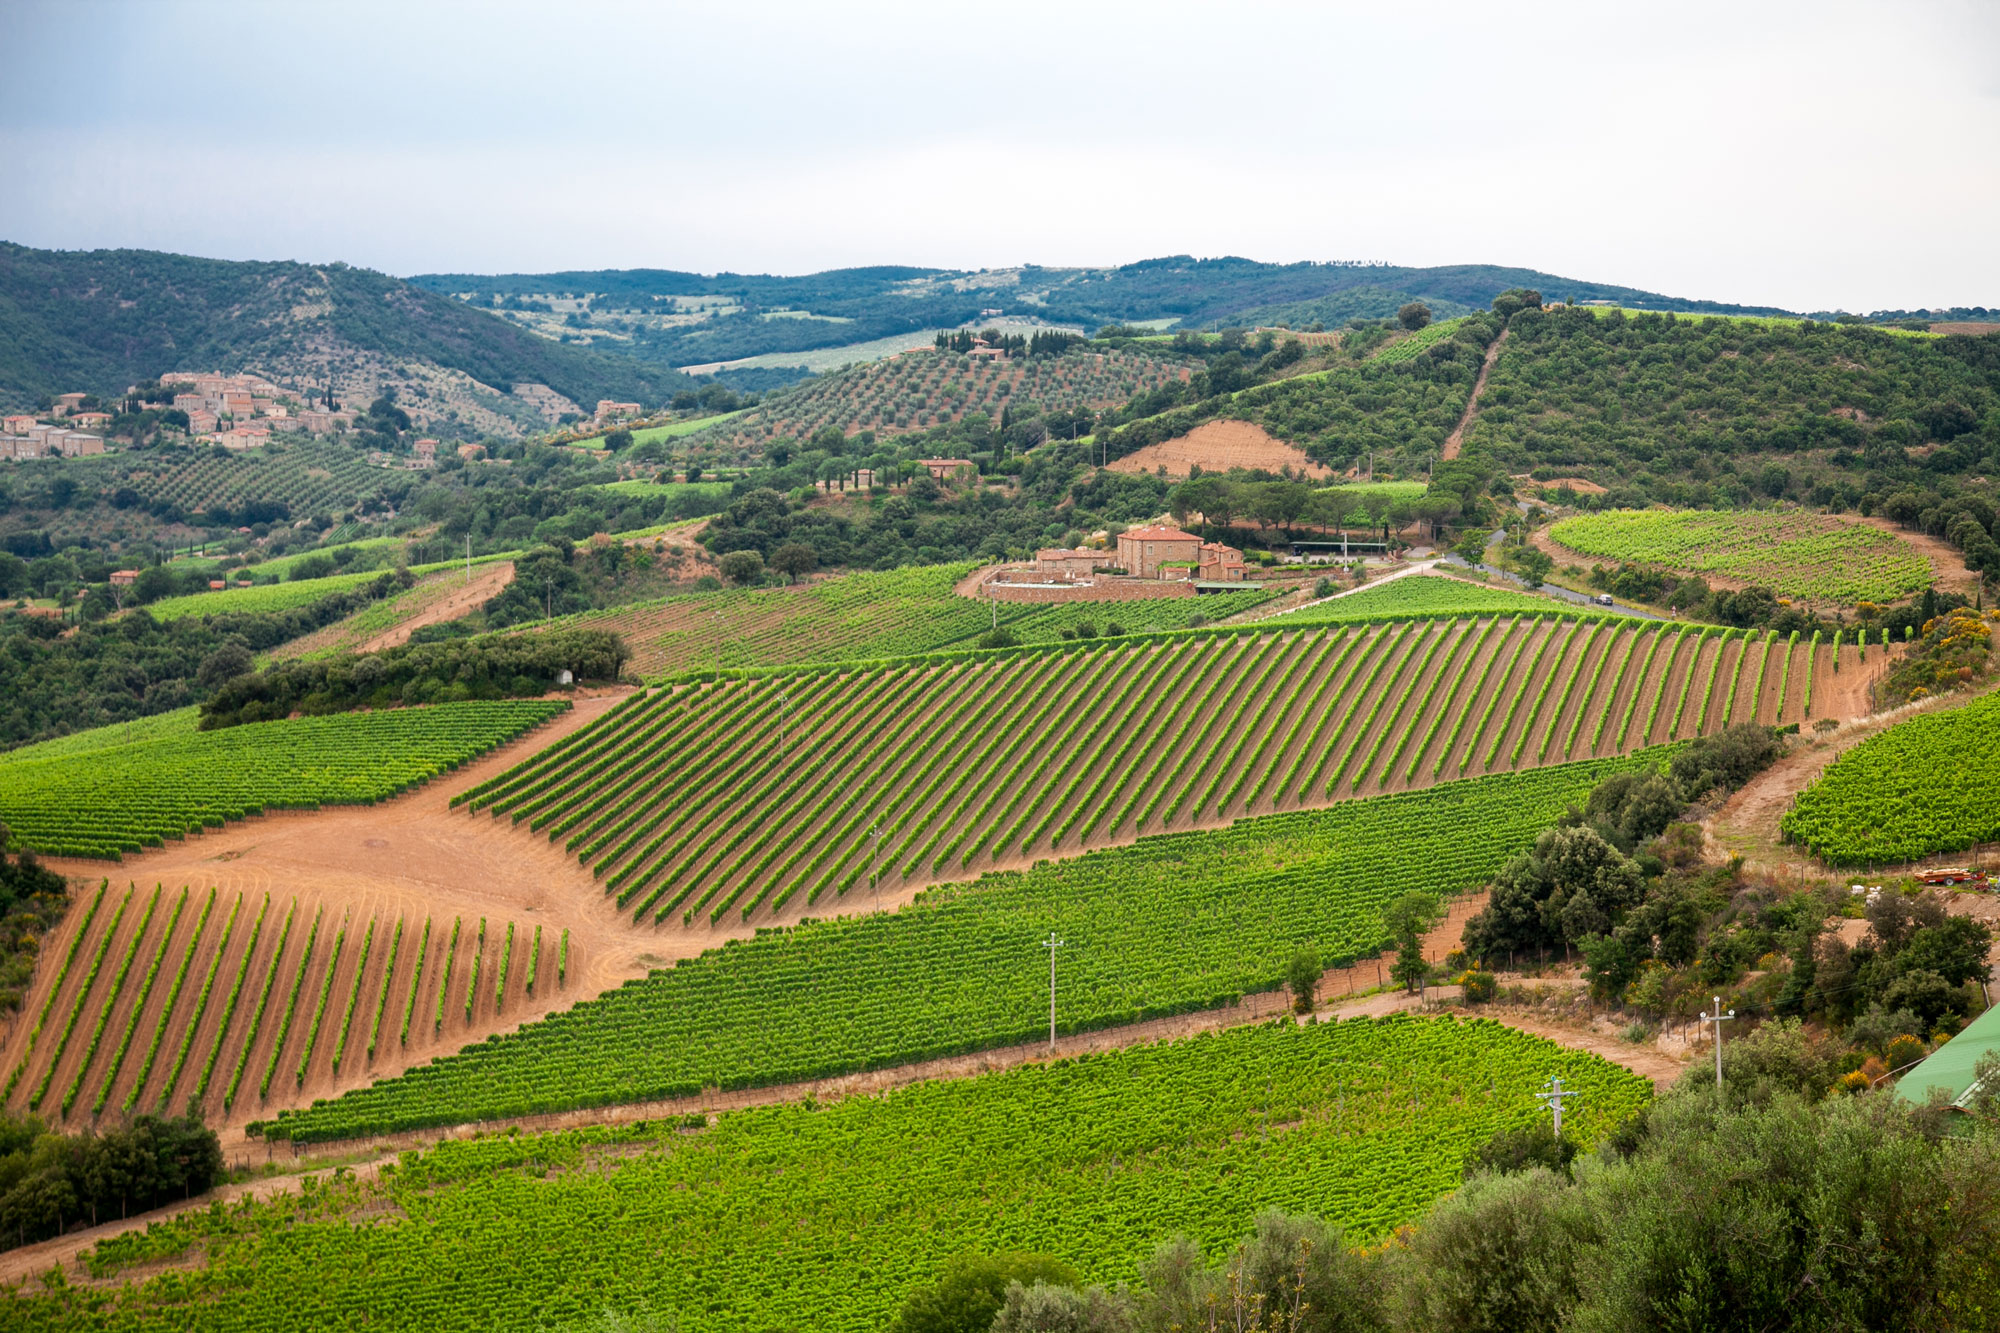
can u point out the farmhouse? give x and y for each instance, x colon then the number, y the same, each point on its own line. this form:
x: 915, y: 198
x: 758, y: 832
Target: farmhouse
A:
x: 1142, y: 551
x: 610, y: 411
x: 941, y: 468
x: 1220, y: 564
x: 124, y: 578
x: 1061, y: 562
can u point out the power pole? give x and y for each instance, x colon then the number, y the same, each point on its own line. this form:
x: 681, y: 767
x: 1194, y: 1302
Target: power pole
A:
x: 1718, y: 1018
x: 1554, y: 1099
x: 1052, y: 944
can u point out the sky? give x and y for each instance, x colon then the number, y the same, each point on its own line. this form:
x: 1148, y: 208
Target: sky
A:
x: 1815, y: 156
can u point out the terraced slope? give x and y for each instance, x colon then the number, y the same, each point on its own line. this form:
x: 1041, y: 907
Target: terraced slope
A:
x: 768, y: 794
x: 861, y: 1201
x: 860, y: 617
x: 1167, y: 925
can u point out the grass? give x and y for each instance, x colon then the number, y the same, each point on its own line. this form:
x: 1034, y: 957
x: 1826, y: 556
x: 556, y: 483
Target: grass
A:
x: 180, y: 722
x: 639, y: 486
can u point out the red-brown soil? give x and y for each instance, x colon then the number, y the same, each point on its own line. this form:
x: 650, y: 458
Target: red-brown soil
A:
x: 1747, y: 823
x: 1973, y: 327
x: 1218, y: 446
x: 1453, y: 441
x: 410, y: 857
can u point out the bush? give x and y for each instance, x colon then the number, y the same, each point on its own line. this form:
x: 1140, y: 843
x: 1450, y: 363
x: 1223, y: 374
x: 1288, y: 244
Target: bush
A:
x: 969, y: 1293
x: 1302, y: 977
x: 742, y: 566
x: 1479, y: 987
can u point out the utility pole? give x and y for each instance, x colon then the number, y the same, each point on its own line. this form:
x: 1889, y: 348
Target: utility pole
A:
x: 1718, y: 1018
x: 1052, y: 944
x: 1554, y: 1099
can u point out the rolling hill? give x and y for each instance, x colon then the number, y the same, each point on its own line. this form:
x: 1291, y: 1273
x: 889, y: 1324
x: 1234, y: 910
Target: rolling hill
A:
x: 687, y: 319
x: 100, y: 320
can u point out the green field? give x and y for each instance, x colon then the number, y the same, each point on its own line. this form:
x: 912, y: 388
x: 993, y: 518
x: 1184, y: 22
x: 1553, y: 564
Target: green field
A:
x: 1165, y: 925
x: 708, y: 490
x: 109, y: 801
x: 1923, y: 787
x: 268, y: 597
x: 862, y: 617
x: 179, y: 722
x: 1814, y: 557
x: 1430, y: 594
x: 826, y: 1216
x: 281, y: 566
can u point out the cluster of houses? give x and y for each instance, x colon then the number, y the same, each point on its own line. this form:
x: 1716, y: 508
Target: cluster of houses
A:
x: 67, y: 434
x: 241, y: 411
x: 235, y: 411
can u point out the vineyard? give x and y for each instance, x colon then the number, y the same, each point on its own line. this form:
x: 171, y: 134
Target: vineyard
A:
x: 179, y: 722
x: 305, y: 478
x: 165, y: 1000
x: 826, y: 1216
x: 921, y: 389
x: 775, y: 793
x: 263, y: 598
x: 430, y: 596
x: 1924, y: 786
x: 860, y: 617
x: 1430, y: 594
x: 122, y: 799
x: 1813, y: 557
x: 1166, y: 925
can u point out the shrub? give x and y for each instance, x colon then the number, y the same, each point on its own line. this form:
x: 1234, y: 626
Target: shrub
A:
x: 1479, y: 987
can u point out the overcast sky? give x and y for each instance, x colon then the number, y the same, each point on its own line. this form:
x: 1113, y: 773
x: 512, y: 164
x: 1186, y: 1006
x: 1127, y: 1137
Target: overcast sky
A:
x: 1814, y: 155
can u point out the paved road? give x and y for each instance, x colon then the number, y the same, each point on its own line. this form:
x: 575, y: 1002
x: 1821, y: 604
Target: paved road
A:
x: 1551, y: 590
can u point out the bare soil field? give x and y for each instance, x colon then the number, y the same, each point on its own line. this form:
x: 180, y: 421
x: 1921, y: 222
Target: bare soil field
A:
x: 1218, y: 446
x: 1453, y: 441
x: 1973, y: 327
x: 1581, y: 485
x: 435, y: 599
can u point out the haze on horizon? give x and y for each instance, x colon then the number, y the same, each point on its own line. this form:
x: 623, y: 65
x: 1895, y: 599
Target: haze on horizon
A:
x: 1808, y: 155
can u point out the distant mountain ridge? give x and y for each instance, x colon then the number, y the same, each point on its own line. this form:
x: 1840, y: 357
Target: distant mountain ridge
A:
x: 99, y: 320
x: 727, y: 316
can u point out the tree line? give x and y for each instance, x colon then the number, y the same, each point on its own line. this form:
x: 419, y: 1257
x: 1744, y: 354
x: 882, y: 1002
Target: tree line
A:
x: 50, y: 1182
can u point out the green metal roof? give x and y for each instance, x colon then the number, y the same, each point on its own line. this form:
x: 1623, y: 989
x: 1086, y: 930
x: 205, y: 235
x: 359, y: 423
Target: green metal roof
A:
x: 1950, y: 1065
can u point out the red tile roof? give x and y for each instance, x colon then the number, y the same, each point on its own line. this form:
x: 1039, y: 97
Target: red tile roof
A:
x: 1160, y: 533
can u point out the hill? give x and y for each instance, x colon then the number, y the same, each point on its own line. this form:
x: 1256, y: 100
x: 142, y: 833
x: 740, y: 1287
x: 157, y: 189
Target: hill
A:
x: 761, y: 796
x: 98, y: 321
x: 687, y: 319
x: 926, y: 388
